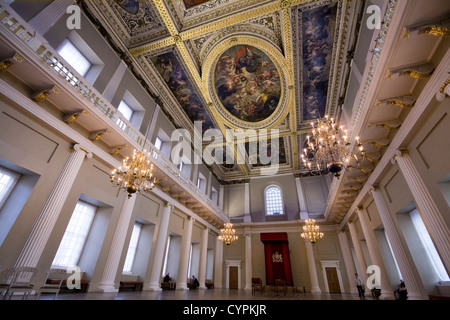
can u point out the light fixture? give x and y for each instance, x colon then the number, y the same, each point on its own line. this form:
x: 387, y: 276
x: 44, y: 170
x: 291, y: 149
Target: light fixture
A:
x: 311, y: 231
x: 135, y: 174
x: 227, y: 234
x: 326, y: 148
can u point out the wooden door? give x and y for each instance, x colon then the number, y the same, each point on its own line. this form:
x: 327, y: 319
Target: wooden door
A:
x: 333, y: 280
x: 233, y: 284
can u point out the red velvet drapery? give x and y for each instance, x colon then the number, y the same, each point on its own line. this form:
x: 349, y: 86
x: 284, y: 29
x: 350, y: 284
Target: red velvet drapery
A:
x: 278, y: 262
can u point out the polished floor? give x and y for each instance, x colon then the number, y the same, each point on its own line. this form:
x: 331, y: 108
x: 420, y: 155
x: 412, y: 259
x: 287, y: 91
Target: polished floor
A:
x: 210, y: 294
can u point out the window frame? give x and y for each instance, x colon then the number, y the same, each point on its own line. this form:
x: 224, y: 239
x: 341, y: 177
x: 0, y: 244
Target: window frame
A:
x: 124, y: 104
x: 282, y: 201
x: 134, y: 247
x: 15, y: 178
x: 63, y: 45
x: 88, y: 230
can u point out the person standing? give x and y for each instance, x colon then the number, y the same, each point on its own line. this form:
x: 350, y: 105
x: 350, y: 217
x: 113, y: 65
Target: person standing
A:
x: 403, y: 293
x: 359, y: 286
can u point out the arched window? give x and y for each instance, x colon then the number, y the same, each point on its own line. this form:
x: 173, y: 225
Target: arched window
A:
x: 274, y: 201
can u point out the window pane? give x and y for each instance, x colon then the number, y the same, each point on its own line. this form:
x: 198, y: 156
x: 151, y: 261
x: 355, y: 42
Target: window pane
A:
x: 8, y: 180
x: 132, y: 247
x: 158, y: 143
x: 74, y: 57
x: 428, y: 243
x: 125, y: 110
x: 72, y: 244
x: 274, y: 202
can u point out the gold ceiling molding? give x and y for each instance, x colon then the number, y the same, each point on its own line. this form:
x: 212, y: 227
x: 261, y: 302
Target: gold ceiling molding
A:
x: 44, y: 94
x: 387, y: 124
x: 219, y: 24
x: 418, y: 71
x: 439, y: 28
x: 405, y: 101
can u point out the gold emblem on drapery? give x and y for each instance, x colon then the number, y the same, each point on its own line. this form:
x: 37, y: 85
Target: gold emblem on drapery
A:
x: 277, y: 257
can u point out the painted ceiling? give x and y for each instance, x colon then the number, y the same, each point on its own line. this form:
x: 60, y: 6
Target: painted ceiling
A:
x: 235, y: 64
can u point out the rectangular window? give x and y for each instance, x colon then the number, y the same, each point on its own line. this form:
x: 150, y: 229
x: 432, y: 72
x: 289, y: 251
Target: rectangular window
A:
x: 158, y: 143
x: 428, y: 244
x: 125, y: 110
x: 74, y: 57
x: 166, y: 257
x: 131, y: 253
x: 8, y: 180
x: 74, y: 238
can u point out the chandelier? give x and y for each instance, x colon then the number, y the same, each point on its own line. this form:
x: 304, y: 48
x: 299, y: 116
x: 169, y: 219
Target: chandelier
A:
x: 135, y: 174
x: 311, y: 231
x: 227, y: 234
x: 326, y: 148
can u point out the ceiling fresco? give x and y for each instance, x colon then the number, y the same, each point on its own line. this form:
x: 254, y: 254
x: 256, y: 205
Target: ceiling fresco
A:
x: 317, y: 40
x: 235, y: 64
x: 176, y: 79
x: 247, y: 83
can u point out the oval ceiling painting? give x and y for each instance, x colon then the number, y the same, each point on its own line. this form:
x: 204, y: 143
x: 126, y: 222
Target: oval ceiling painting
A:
x: 247, y: 83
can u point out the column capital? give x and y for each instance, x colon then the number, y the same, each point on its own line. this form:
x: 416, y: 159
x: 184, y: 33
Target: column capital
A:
x: 167, y: 204
x: 374, y: 188
x: 400, y: 152
x: 78, y: 147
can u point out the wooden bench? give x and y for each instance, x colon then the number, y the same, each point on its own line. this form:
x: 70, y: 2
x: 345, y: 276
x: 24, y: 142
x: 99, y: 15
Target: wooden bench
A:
x: 127, y: 285
x: 168, y: 285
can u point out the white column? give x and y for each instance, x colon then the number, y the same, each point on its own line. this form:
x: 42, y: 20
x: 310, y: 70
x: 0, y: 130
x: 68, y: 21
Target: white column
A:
x: 45, y: 19
x: 247, y: 217
x: 301, y: 200
x: 155, y: 275
x: 386, y: 289
x: 429, y: 211
x: 358, y: 251
x: 218, y: 264
x: 402, y: 255
x: 184, y: 257
x: 42, y: 228
x: 203, y: 255
x: 348, y: 261
x: 248, y: 260
x: 312, y: 268
x: 107, y: 282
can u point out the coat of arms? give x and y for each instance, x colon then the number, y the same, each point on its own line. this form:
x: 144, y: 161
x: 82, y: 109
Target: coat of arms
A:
x: 277, y: 257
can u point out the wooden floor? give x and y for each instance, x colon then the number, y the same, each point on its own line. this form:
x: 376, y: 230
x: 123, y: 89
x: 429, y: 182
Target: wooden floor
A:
x: 199, y: 294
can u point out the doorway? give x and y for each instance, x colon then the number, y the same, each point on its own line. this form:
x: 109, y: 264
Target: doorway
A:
x: 233, y: 274
x: 233, y: 278
x: 333, y: 281
x: 332, y: 277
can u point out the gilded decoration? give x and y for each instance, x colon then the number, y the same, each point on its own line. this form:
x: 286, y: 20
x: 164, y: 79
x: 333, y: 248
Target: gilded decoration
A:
x: 277, y: 257
x: 192, y: 54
